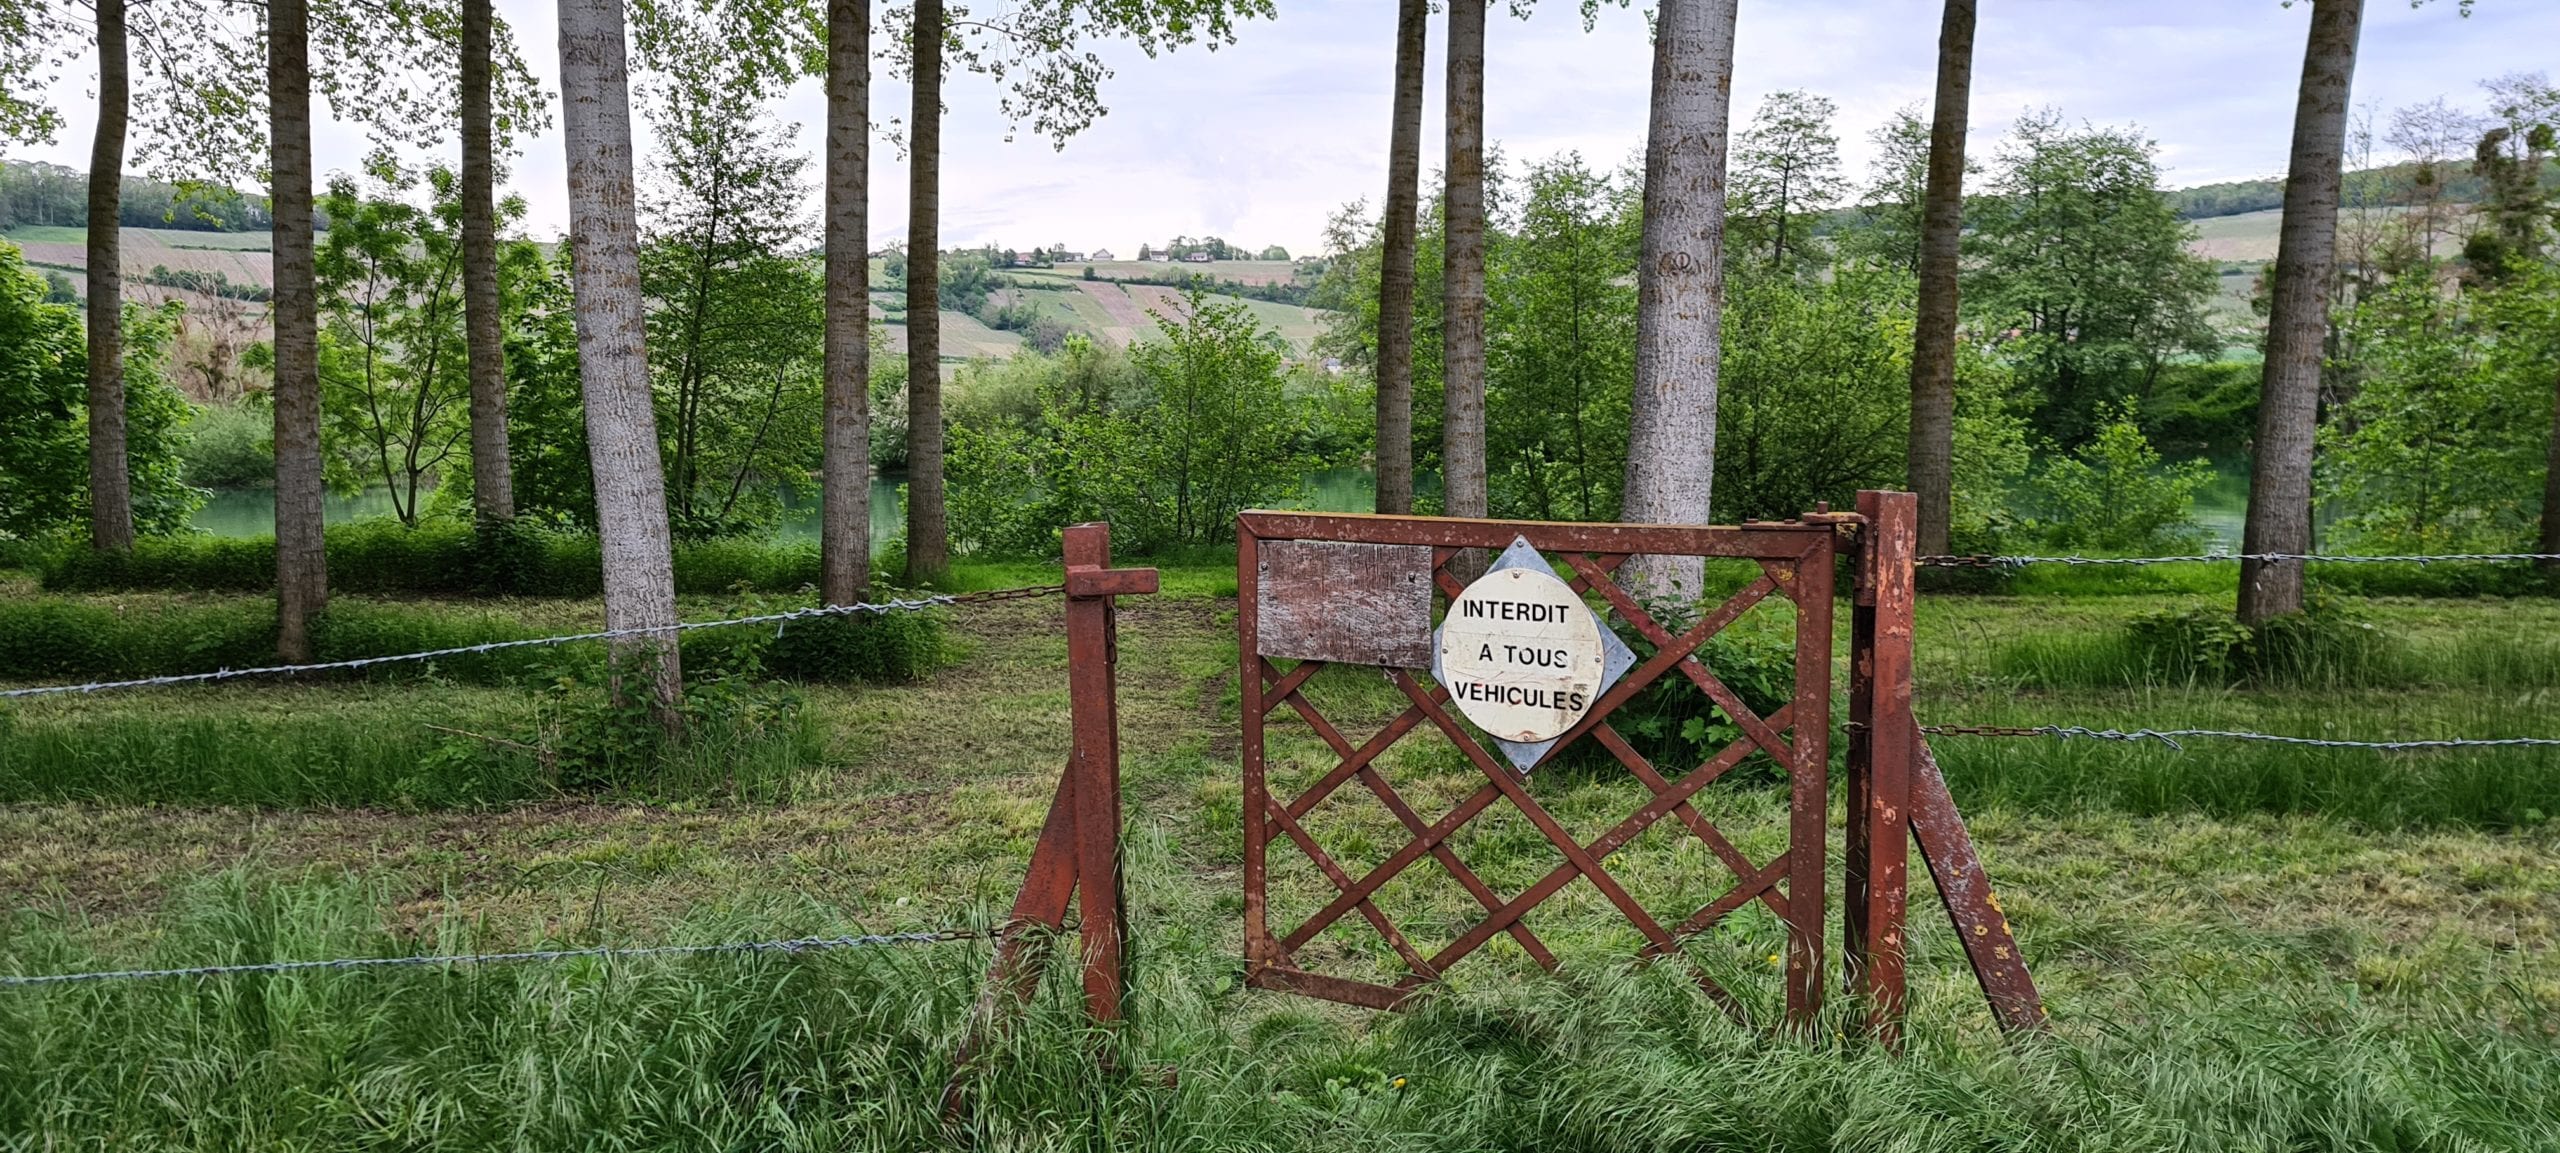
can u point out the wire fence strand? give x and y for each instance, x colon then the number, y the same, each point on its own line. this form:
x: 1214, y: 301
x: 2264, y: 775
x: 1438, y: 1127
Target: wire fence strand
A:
x: 2010, y: 562
x: 791, y: 945
x: 2172, y: 737
x: 778, y: 619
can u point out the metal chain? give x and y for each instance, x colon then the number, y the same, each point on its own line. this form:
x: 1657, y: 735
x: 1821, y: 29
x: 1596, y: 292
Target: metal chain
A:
x: 792, y: 945
x: 2010, y: 562
x: 780, y: 619
x: 2170, y: 737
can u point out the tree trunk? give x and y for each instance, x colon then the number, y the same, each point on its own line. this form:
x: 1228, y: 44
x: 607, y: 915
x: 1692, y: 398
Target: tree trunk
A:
x: 2549, y: 542
x: 1462, y: 468
x: 302, y: 560
x: 613, y: 361
x: 928, y: 536
x: 1933, y: 345
x: 2298, y: 322
x: 493, y: 497
x: 110, y: 478
x: 844, y: 478
x: 1671, y: 443
x: 1395, y: 277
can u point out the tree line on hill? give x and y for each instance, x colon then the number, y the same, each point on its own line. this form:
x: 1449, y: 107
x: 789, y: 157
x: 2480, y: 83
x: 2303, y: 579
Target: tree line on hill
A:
x: 33, y: 193
x: 1550, y: 341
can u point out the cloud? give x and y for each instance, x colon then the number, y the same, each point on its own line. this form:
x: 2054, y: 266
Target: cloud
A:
x: 1259, y: 142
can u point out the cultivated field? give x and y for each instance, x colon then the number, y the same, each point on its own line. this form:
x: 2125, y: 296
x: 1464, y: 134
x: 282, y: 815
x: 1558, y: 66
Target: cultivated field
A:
x: 2242, y: 947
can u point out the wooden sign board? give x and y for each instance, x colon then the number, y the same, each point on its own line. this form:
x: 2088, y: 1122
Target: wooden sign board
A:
x: 1364, y: 604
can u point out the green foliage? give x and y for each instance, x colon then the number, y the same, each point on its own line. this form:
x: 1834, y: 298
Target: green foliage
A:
x: 1814, y: 398
x: 735, y: 309
x: 2442, y: 448
x: 44, y: 431
x: 882, y: 649
x: 230, y: 446
x: 1560, y: 347
x: 2077, y: 259
x: 1210, y: 432
x: 439, y: 557
x: 2113, y: 493
x: 394, y: 390
x: 2207, y: 408
x: 546, y: 412
x: 2328, y: 644
x: 1786, y: 170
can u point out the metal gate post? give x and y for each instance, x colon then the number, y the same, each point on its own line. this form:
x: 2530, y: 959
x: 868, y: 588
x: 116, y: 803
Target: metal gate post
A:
x: 1077, y: 857
x: 1881, y: 736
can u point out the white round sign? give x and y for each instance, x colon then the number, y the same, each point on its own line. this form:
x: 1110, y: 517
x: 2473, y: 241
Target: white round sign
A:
x: 1521, y: 654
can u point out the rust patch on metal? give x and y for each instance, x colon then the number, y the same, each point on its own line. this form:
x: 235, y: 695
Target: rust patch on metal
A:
x: 1367, y: 604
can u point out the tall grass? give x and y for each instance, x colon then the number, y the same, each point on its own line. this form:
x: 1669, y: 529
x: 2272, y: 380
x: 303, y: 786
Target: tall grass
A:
x: 294, y: 748
x: 850, y: 1049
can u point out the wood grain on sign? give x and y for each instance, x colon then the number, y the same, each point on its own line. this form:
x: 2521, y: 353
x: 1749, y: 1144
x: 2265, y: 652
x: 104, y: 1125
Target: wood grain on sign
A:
x: 1362, y: 604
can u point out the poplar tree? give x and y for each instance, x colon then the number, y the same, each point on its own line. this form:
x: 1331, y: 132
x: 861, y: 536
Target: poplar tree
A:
x: 1396, y: 256
x: 2279, y: 517
x: 1680, y: 284
x: 1931, y: 458
x: 1035, y: 53
x: 613, y: 360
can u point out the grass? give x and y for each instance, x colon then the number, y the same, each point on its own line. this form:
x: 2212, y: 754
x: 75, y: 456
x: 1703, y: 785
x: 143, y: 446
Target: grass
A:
x: 2365, y: 961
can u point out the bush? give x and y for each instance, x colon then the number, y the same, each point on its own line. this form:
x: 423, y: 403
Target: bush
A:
x: 438, y: 557
x: 2113, y: 493
x: 2328, y: 644
x: 1677, y: 727
x: 891, y: 647
x: 229, y: 446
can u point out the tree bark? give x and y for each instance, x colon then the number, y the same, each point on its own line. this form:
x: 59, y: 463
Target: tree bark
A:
x: 302, y: 560
x: 844, y: 476
x: 110, y: 477
x: 928, y: 535
x: 492, y: 473
x: 1671, y: 443
x: 1933, y: 345
x: 1395, y: 260
x: 2549, y: 542
x: 1462, y: 467
x: 2279, y: 519
x: 613, y: 361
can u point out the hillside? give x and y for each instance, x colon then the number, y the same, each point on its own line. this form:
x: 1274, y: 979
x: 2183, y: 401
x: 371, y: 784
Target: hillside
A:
x: 166, y: 263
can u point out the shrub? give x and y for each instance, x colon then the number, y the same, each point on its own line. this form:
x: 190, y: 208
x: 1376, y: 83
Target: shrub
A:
x: 891, y: 647
x: 1677, y: 727
x: 2328, y: 644
x: 2113, y: 493
x: 229, y: 446
x: 438, y: 557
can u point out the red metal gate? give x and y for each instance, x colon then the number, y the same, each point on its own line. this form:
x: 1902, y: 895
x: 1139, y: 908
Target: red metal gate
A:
x: 1795, y: 562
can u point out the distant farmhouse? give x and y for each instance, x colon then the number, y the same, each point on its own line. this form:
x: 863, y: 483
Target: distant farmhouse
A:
x: 1101, y: 254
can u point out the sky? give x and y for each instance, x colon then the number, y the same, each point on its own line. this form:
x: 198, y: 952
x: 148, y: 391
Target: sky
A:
x: 1261, y: 141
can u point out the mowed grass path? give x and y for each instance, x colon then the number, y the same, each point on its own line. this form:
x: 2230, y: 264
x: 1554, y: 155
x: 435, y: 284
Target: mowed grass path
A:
x: 2294, y: 962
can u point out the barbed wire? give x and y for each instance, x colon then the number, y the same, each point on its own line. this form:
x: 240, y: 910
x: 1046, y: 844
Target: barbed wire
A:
x: 2010, y: 562
x: 2171, y: 737
x: 792, y: 945
x: 779, y: 620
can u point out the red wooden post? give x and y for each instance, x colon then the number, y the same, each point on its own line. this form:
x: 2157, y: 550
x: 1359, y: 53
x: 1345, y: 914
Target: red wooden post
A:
x: 1077, y: 857
x: 1879, y: 818
x: 1256, y: 802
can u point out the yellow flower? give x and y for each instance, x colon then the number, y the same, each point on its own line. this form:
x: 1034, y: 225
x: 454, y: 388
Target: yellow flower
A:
x: 1774, y: 960
x: 1398, y: 1082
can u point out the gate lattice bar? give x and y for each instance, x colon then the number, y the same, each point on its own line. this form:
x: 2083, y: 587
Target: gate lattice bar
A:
x: 1795, y: 559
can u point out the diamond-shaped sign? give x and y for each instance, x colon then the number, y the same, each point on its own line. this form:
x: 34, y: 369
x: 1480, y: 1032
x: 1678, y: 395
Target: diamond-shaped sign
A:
x: 1523, y: 657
